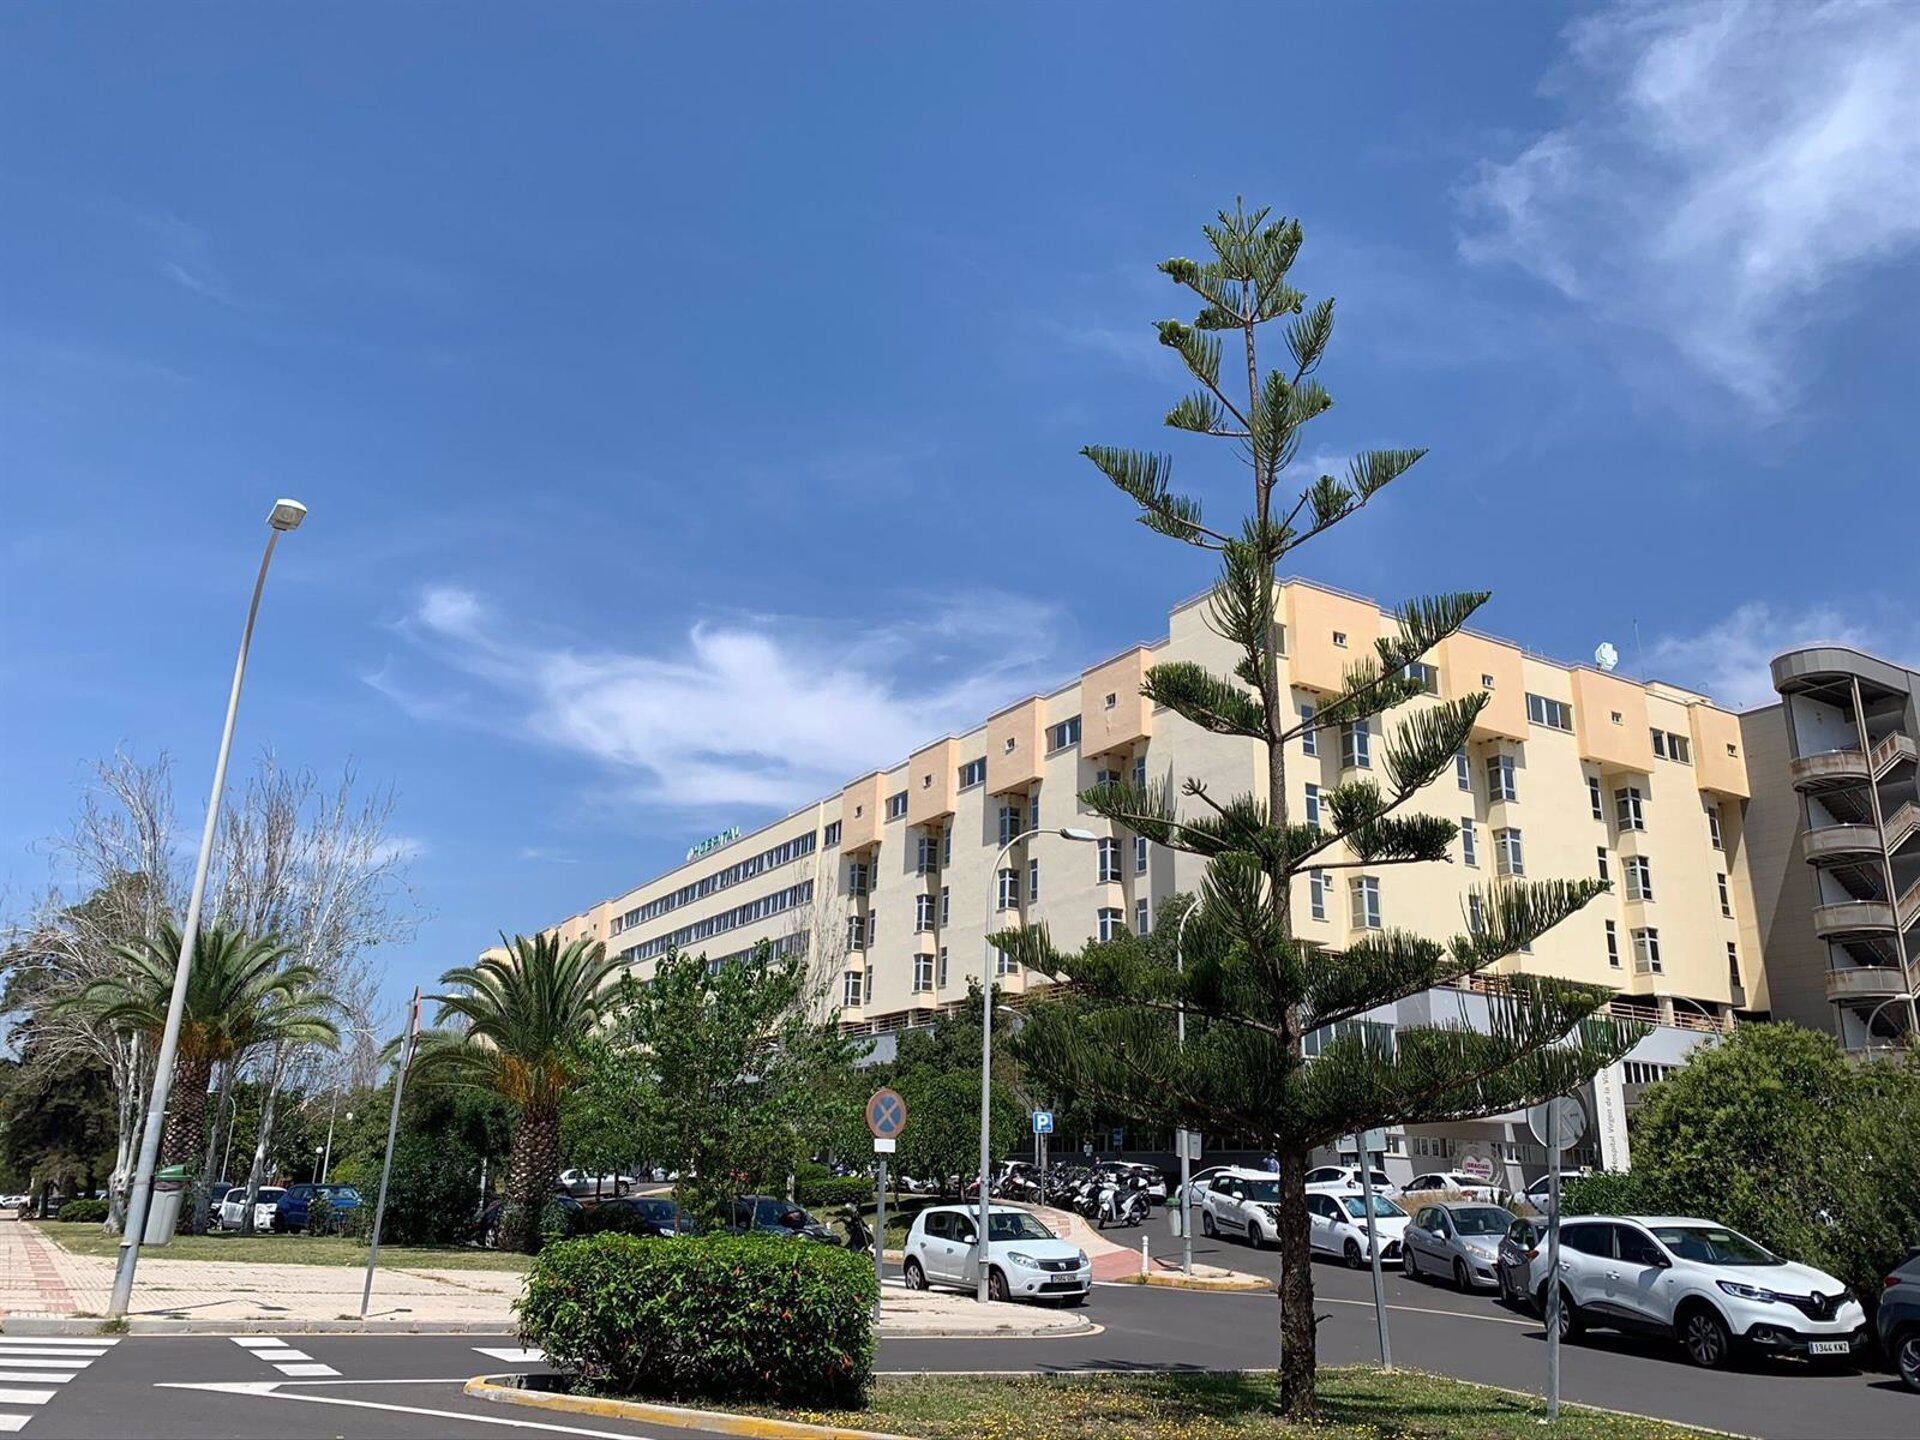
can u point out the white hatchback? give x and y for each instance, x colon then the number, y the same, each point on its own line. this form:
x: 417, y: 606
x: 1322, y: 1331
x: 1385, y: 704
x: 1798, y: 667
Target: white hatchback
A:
x: 1337, y: 1225
x: 1025, y: 1260
x: 234, y: 1207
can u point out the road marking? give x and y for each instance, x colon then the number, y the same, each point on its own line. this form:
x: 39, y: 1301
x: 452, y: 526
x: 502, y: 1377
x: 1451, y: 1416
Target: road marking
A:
x: 26, y: 1397
x: 37, y: 1377
x: 257, y: 1342
x: 1432, y: 1310
x: 84, y: 1342
x: 306, y: 1370
x: 511, y: 1355
x: 270, y: 1390
x: 30, y: 1363
x: 10, y: 1423
x: 49, y: 1353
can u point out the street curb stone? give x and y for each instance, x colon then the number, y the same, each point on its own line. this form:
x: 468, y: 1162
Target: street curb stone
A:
x: 673, y: 1417
x: 24, y: 1325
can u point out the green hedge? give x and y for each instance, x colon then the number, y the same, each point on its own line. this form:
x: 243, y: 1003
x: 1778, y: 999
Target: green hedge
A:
x: 83, y: 1210
x: 1609, y: 1192
x: 830, y: 1192
x: 748, y: 1318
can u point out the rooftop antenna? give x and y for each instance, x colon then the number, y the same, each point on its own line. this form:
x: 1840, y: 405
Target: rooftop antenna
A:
x: 1639, y: 650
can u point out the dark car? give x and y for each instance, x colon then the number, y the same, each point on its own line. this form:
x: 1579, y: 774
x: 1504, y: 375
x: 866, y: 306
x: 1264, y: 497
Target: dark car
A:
x: 764, y: 1215
x: 294, y: 1211
x: 486, y: 1229
x: 651, y: 1215
x: 1900, y: 1320
x: 1513, y: 1266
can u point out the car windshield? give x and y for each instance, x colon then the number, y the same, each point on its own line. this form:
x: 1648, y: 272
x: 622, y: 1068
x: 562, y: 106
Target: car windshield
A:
x: 1016, y: 1225
x: 1383, y: 1208
x: 1482, y: 1220
x: 1264, y: 1192
x: 340, y: 1192
x: 268, y: 1192
x: 1713, y: 1245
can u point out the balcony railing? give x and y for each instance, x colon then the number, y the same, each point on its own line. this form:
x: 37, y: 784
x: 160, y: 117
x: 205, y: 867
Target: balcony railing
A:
x: 1865, y: 982
x: 1828, y: 770
x: 1836, y: 844
x: 1850, y: 918
x: 1903, y: 825
x: 1891, y: 751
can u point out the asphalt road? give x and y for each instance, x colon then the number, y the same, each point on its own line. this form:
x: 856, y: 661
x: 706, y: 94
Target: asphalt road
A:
x: 210, y: 1387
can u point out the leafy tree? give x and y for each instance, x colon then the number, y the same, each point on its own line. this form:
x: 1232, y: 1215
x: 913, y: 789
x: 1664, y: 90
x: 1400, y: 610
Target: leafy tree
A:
x: 525, y: 1014
x: 741, y: 1071
x: 1776, y: 1133
x: 937, y: 1072
x: 239, y: 995
x: 1253, y: 990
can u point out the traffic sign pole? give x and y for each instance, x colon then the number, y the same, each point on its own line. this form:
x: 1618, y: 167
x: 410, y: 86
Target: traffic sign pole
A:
x: 879, y: 1236
x: 1553, y: 1262
x: 886, y: 1118
x: 1373, y: 1241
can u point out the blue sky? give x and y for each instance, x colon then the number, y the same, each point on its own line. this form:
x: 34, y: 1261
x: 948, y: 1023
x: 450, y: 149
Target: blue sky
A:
x: 648, y: 366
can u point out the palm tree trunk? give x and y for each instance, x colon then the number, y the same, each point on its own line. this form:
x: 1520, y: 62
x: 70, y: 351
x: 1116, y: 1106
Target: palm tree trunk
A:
x: 187, y: 1115
x: 531, y: 1170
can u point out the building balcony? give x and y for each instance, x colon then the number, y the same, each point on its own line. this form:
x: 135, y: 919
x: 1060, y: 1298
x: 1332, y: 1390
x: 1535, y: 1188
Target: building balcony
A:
x: 1853, y: 919
x: 1828, y: 770
x: 1865, y: 983
x: 1842, y: 845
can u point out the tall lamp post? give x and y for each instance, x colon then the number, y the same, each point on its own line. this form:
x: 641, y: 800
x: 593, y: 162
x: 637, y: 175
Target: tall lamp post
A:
x: 1874, y: 1014
x: 286, y: 515
x: 987, y: 975
x: 1186, y: 1160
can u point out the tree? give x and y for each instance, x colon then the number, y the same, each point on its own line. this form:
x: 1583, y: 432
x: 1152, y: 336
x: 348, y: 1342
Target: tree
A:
x: 525, y: 1014
x: 937, y: 1072
x: 239, y: 995
x: 1252, y: 989
x: 742, y: 1077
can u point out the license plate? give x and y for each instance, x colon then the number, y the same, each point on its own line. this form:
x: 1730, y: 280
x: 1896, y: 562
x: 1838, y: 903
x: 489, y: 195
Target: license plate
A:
x: 1828, y: 1347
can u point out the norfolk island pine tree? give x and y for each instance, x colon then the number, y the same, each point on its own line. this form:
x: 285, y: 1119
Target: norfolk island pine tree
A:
x: 1251, y: 989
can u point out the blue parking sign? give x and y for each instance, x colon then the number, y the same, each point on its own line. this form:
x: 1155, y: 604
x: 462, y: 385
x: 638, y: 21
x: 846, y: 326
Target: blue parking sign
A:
x: 1043, y: 1122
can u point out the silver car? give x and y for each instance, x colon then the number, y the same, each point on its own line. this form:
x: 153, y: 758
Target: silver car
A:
x: 1460, y: 1242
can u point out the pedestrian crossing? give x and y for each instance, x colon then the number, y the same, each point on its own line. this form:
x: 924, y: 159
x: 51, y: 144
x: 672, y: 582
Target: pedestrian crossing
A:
x: 34, y: 1367
x: 295, y: 1364
x: 512, y: 1355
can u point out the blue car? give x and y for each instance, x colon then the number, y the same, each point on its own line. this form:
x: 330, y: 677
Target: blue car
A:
x: 1900, y: 1320
x: 295, y: 1207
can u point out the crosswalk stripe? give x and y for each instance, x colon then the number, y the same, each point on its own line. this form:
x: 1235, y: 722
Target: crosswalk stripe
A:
x: 38, y: 1377
x: 256, y: 1342
x: 301, y: 1370
x: 512, y: 1356
x: 86, y: 1342
x: 11, y: 1423
x: 275, y: 1356
x: 7, y: 1352
x: 26, y: 1397
x: 31, y: 1363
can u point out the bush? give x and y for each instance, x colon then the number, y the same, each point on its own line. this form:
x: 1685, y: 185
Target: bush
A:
x: 1608, y: 1192
x: 830, y: 1192
x: 749, y: 1318
x: 84, y: 1210
x: 610, y: 1220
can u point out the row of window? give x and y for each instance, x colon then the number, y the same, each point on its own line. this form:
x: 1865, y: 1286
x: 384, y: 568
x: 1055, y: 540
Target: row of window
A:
x: 746, y: 869
x: 747, y: 914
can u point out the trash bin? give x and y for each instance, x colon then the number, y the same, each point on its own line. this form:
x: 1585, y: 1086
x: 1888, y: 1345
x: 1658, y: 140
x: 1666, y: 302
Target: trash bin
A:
x: 163, y: 1211
x: 1173, y: 1218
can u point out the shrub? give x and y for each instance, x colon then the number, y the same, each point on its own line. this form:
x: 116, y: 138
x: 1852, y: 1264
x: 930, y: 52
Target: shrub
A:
x: 322, y: 1218
x: 748, y: 1318
x: 830, y: 1192
x: 1609, y: 1192
x: 610, y: 1219
x: 84, y: 1210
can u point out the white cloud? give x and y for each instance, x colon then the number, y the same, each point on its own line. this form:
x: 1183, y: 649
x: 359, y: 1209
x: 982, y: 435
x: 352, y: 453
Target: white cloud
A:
x: 1729, y: 660
x: 761, y: 712
x: 400, y: 848
x: 1721, y: 170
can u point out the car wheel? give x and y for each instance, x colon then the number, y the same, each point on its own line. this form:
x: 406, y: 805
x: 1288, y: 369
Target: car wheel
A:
x: 619, y: 1188
x: 1253, y: 1233
x: 1906, y: 1358
x: 1408, y: 1265
x: 997, y: 1286
x: 1462, y: 1279
x: 915, y: 1277
x: 1706, y: 1338
x: 1572, y: 1323
x: 1354, y: 1261
x: 1207, y: 1227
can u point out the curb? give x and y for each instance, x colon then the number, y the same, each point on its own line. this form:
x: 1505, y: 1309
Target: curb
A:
x: 673, y: 1417
x: 25, y: 1325
x: 1234, y: 1284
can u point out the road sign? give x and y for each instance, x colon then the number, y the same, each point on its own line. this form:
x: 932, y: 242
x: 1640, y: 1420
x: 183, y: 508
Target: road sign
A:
x: 1043, y: 1122
x: 1573, y: 1122
x: 886, y: 1114
x: 884, y: 1147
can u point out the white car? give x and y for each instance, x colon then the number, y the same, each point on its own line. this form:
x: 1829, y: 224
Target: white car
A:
x: 1458, y: 1182
x: 1337, y: 1225
x: 1706, y: 1286
x: 265, y: 1205
x: 1198, y: 1182
x: 1025, y: 1260
x: 1245, y: 1203
x: 584, y: 1184
x: 1347, y: 1177
x: 234, y: 1206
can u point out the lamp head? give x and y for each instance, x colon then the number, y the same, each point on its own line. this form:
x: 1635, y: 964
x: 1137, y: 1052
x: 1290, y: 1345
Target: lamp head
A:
x: 1071, y: 833
x: 287, y: 514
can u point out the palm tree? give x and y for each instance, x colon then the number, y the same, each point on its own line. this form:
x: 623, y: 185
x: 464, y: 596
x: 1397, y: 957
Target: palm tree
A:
x: 525, y: 1013
x: 240, y: 994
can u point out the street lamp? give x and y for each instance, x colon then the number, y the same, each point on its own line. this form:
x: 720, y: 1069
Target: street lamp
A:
x: 1874, y: 1014
x: 285, y: 516
x: 1186, y: 1162
x: 1085, y: 837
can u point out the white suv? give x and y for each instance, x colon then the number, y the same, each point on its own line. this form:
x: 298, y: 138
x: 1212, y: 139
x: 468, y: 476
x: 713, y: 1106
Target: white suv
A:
x: 1337, y: 1225
x: 1347, y: 1177
x: 1458, y: 1182
x: 1245, y: 1203
x: 1708, y: 1287
x: 1025, y: 1259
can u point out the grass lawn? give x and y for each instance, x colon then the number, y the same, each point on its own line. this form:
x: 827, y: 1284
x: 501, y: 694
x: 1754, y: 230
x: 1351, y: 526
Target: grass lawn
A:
x: 87, y: 1239
x: 1357, y: 1403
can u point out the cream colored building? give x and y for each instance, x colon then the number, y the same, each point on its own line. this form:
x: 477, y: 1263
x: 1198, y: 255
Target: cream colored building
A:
x: 893, y: 884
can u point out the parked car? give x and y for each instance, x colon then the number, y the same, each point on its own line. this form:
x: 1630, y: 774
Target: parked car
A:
x: 1456, y: 1182
x: 764, y: 1215
x: 1537, y: 1197
x: 1460, y: 1241
x: 1244, y: 1203
x: 582, y: 1184
x: 654, y: 1215
x: 1337, y: 1225
x: 1347, y: 1177
x: 266, y: 1204
x: 294, y: 1208
x: 486, y: 1227
x: 1025, y: 1260
x: 1513, y: 1265
x: 1900, y: 1320
x: 1200, y: 1180
x: 233, y: 1206
x: 1700, y: 1283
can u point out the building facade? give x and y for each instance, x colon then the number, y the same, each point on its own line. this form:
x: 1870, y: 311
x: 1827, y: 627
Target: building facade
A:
x: 1834, y: 836
x: 894, y: 883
